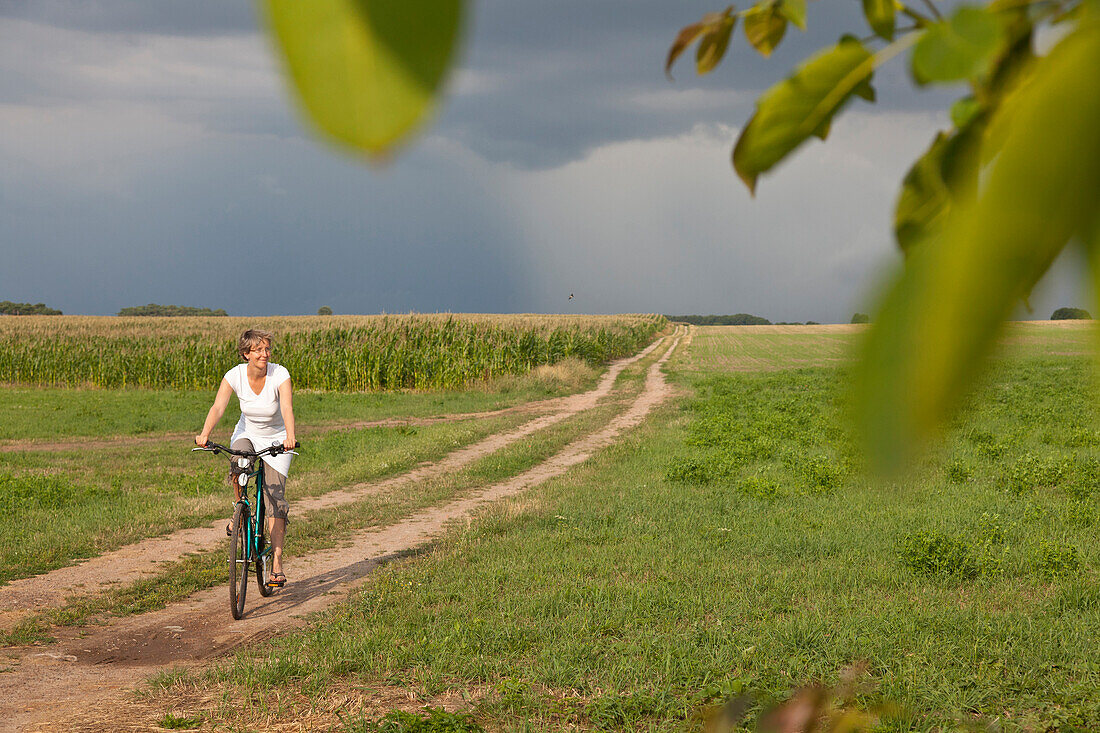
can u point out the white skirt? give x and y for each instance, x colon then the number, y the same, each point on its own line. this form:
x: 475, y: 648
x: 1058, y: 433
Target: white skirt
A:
x: 281, y: 462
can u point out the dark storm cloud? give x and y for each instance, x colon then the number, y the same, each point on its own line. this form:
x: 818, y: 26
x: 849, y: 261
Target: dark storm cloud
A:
x: 570, y: 69
x: 226, y: 84
x: 229, y: 225
x: 170, y: 17
x: 563, y: 74
x: 149, y: 153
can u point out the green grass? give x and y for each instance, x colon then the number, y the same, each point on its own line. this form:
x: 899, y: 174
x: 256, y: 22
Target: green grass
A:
x: 93, y: 502
x: 96, y: 500
x: 179, y: 722
x: 50, y: 414
x: 61, y: 487
x: 763, y: 348
x: 732, y: 545
x: 315, y: 530
x: 758, y: 348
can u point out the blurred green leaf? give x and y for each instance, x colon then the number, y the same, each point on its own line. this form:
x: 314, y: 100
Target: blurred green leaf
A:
x: 924, y: 198
x: 366, y: 72
x: 802, y: 105
x: 764, y: 27
x: 1017, y: 55
x: 881, y: 17
x: 794, y: 11
x: 1072, y: 13
x: 962, y: 47
x: 940, y: 318
x: 713, y: 44
x: 946, y: 175
x: 964, y: 110
x: 713, y: 25
x: 864, y: 90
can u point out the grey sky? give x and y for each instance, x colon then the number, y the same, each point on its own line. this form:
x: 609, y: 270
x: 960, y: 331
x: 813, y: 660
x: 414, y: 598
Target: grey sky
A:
x: 149, y: 152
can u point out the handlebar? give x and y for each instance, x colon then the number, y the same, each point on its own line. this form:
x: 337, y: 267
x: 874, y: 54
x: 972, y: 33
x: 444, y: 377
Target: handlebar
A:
x: 273, y: 450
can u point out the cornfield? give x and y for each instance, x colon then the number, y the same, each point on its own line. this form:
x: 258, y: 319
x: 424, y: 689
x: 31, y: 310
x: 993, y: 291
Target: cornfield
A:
x: 339, y: 353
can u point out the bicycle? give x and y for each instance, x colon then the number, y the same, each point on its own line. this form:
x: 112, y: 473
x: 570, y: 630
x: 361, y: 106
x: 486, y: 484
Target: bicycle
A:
x: 246, y: 536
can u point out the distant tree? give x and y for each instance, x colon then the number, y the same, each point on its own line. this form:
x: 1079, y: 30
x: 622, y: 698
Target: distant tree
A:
x: 812, y: 323
x: 154, y: 309
x: 324, y: 311
x: 861, y: 318
x: 737, y: 319
x: 1066, y: 314
x: 8, y: 308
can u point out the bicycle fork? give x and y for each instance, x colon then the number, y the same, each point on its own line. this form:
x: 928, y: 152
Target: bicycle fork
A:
x: 253, y: 532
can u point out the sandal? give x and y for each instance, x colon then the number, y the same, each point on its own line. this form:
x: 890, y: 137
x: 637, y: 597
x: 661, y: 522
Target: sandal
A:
x: 277, y: 580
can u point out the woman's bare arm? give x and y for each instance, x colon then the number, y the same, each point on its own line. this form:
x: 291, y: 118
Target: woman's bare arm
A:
x: 286, y: 405
x: 221, y: 401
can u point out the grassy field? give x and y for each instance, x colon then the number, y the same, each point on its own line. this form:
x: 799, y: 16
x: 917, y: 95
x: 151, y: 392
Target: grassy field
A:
x: 44, y: 414
x: 731, y: 546
x: 100, y: 496
x: 349, y: 353
x: 99, y: 500
x: 764, y: 348
x: 386, y: 452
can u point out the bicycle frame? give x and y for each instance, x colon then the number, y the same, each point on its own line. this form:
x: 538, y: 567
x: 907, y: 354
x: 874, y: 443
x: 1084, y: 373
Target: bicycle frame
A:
x: 254, y: 529
x: 247, y: 544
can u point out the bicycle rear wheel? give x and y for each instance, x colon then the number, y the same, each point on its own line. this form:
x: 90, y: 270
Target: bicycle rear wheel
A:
x: 238, y: 560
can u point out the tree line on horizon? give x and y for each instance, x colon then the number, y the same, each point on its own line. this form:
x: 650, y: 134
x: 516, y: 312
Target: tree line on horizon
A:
x: 747, y: 319
x: 737, y: 319
x: 155, y: 309
x: 8, y: 308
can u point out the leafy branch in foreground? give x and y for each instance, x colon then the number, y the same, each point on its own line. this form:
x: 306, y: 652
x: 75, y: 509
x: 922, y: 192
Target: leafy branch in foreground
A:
x: 982, y: 214
x: 366, y: 73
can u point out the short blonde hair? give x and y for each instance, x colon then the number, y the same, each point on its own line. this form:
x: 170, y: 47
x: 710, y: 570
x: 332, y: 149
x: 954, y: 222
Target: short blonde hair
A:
x: 252, y: 338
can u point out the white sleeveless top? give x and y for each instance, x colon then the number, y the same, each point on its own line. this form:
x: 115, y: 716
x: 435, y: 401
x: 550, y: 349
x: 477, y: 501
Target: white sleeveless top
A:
x: 261, y: 417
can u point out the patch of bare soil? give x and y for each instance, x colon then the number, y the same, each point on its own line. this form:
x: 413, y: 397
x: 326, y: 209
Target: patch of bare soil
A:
x: 91, y: 670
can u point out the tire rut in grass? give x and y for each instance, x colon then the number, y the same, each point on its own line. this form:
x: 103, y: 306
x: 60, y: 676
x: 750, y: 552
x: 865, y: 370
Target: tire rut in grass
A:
x: 105, y: 662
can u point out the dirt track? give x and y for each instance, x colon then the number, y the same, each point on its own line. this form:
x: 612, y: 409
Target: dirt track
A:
x: 87, y: 672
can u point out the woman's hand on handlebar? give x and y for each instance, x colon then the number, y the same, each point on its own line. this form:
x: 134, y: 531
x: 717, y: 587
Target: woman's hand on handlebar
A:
x: 202, y: 440
x: 290, y: 443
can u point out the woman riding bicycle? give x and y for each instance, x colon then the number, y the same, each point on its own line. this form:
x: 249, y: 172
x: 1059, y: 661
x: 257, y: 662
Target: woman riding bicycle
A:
x: 267, y: 417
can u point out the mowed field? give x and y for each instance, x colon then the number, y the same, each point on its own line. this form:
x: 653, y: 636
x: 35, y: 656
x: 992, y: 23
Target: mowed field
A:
x: 764, y: 348
x: 730, y: 548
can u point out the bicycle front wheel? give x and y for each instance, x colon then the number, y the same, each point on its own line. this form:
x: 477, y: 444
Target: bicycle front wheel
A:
x: 261, y: 564
x: 238, y: 560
